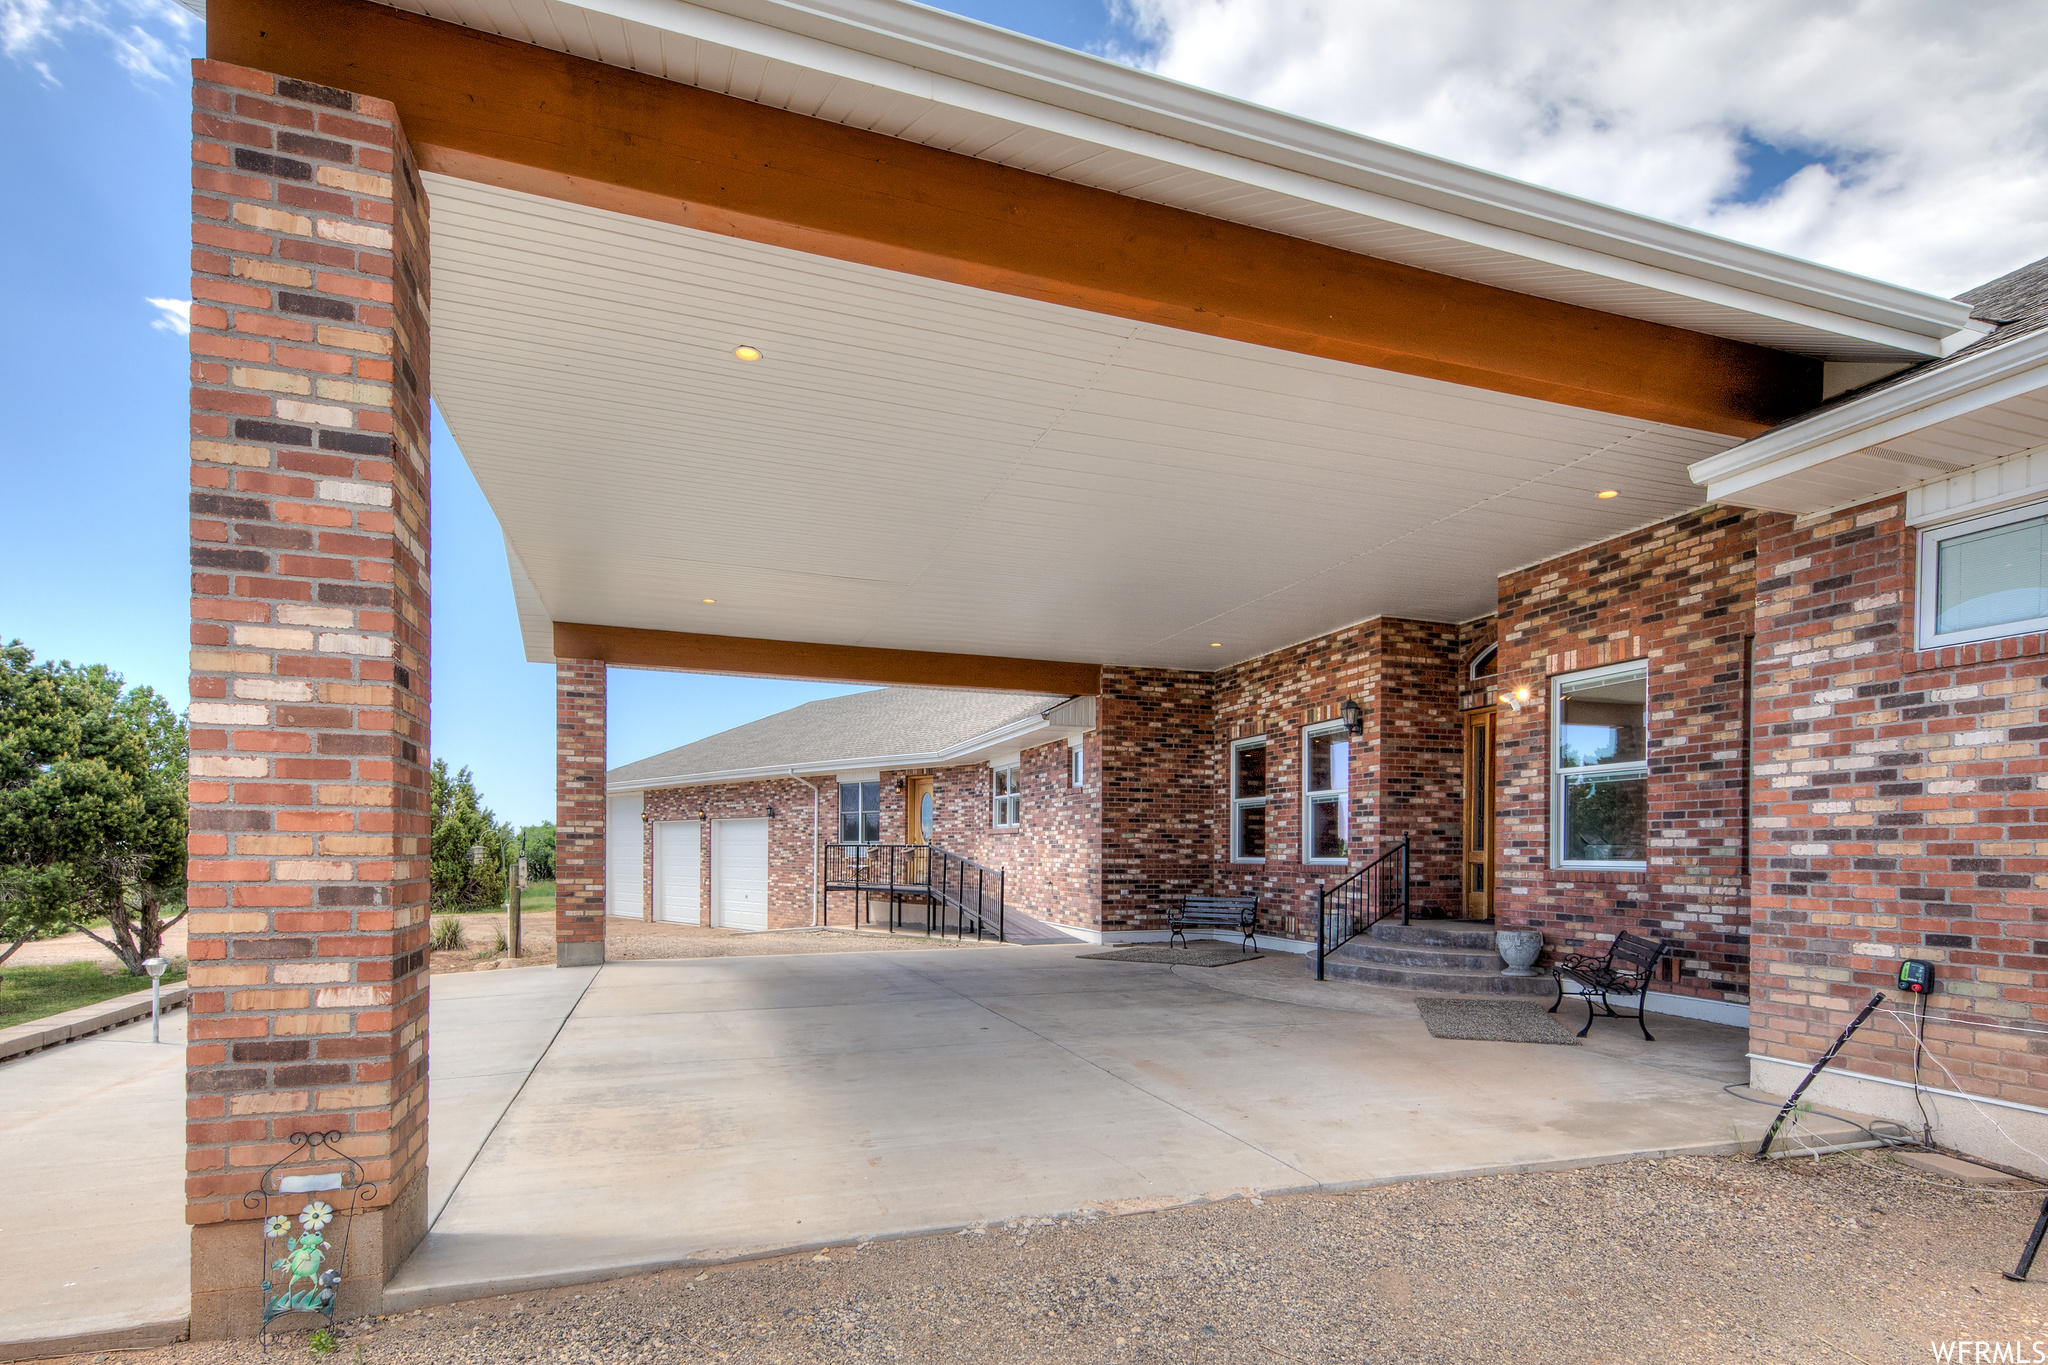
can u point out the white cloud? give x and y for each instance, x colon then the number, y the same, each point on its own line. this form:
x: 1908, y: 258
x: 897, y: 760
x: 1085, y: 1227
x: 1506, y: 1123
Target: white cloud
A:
x: 1927, y: 119
x: 145, y: 37
x: 173, y: 315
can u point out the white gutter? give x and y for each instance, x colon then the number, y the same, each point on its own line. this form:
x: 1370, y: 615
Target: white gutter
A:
x: 964, y: 751
x: 1994, y: 375
x: 929, y: 55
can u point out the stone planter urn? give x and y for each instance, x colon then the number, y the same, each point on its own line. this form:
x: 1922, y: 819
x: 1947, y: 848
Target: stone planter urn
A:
x: 1519, y: 948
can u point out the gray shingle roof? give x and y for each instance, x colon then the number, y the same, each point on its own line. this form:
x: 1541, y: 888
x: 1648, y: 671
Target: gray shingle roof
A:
x: 886, y: 722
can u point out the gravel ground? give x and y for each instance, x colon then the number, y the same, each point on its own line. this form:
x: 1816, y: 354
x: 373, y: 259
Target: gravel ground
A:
x: 627, y: 940
x: 1849, y: 1259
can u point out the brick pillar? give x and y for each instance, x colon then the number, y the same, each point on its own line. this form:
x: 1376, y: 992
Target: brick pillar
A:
x: 579, y: 812
x: 308, y: 846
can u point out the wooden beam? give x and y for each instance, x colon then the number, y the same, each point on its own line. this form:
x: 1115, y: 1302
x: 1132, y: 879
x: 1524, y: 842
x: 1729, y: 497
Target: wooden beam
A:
x: 489, y: 109
x: 628, y: 647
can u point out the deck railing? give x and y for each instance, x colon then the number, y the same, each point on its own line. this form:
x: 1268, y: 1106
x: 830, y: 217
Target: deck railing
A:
x: 1361, y: 900
x: 957, y: 892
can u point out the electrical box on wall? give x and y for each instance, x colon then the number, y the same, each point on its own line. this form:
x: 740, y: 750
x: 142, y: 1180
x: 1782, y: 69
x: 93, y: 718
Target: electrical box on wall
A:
x: 1916, y: 977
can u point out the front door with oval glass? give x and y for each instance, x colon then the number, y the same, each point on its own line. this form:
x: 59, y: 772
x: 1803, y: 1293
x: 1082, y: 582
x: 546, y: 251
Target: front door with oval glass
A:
x: 1479, y: 779
x: 917, y: 820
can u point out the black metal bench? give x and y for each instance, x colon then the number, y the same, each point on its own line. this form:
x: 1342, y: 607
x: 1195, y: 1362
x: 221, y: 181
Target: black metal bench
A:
x: 1625, y: 969
x: 1234, y: 914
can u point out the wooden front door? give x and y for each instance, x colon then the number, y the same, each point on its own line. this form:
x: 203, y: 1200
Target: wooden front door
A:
x: 1479, y: 782
x: 917, y: 810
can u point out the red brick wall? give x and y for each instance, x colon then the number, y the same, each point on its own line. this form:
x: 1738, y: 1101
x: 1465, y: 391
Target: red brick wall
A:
x: 1160, y: 810
x: 579, y: 811
x: 1677, y: 594
x: 792, y: 855
x: 310, y: 663
x: 1898, y: 797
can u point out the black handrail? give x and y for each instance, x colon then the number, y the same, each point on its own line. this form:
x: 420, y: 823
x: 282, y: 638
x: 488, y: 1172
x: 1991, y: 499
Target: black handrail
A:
x: 943, y: 880
x: 1377, y: 887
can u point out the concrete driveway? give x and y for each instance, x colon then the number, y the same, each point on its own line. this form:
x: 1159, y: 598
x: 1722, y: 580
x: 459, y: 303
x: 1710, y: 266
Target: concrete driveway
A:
x: 704, y: 1110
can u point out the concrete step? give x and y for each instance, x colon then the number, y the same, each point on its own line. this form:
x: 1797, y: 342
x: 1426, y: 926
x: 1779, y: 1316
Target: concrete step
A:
x: 1448, y: 933
x: 1432, y: 981
x: 1384, y: 953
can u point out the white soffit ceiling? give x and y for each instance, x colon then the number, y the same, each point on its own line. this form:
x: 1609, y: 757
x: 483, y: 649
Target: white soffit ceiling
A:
x: 920, y: 465
x: 942, y: 81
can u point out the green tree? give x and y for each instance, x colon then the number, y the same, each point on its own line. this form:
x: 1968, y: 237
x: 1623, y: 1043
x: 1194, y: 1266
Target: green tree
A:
x: 537, y: 844
x: 463, y: 822
x: 92, y: 807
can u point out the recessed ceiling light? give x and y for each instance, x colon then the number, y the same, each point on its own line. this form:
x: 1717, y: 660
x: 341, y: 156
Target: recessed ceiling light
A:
x: 1215, y: 644
x: 746, y: 353
x: 1607, y: 493
x: 709, y: 601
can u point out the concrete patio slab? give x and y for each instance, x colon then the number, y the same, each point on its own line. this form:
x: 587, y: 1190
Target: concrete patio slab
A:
x: 699, y: 1111
x: 93, y: 1250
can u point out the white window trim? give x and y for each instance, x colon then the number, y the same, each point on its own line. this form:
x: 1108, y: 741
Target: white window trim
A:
x: 1077, y: 764
x: 1927, y: 600
x: 1472, y: 672
x: 1016, y: 769
x: 1237, y: 802
x: 1557, y: 772
x: 1343, y: 792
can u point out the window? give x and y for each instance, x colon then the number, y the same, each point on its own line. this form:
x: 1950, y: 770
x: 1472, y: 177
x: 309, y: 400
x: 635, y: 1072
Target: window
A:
x: 1248, y: 801
x: 860, y: 812
x: 1487, y: 665
x: 1009, y: 797
x: 1076, y: 767
x: 1983, y: 578
x: 1326, y: 793
x: 1599, y: 746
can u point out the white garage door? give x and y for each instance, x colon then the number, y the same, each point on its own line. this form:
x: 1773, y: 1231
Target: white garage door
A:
x: 675, y: 871
x: 739, y: 869
x: 623, y: 832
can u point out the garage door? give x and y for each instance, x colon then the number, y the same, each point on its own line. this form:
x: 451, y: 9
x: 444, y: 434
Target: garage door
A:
x: 675, y: 871
x: 623, y: 833
x: 739, y: 868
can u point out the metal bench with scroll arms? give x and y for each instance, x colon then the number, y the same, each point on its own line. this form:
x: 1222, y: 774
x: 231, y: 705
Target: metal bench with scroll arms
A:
x: 1624, y: 969
x: 1233, y: 914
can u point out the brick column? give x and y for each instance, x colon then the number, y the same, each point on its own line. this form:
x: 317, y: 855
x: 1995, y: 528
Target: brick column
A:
x: 310, y: 669
x: 579, y: 812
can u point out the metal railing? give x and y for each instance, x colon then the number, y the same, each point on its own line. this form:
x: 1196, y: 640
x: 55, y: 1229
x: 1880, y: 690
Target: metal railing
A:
x: 949, y: 886
x: 1361, y: 900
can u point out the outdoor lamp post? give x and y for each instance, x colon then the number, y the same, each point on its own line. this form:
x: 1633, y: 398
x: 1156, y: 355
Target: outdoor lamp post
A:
x: 155, y: 967
x: 517, y: 880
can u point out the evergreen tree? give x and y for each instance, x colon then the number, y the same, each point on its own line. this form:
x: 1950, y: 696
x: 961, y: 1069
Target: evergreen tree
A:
x: 462, y: 822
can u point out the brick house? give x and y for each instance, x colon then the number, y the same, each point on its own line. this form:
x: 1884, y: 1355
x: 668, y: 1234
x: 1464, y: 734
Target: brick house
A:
x: 1627, y: 577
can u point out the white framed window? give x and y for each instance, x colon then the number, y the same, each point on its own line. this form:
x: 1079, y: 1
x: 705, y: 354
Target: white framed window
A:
x: 1326, y: 793
x: 1983, y: 578
x: 1077, y: 769
x: 1008, y: 799
x: 1486, y: 663
x: 860, y: 812
x: 1599, y: 758
x: 1248, y: 801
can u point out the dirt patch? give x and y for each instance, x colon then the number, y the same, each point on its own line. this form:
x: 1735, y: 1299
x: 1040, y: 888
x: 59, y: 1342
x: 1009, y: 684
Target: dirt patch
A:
x: 1700, y: 1259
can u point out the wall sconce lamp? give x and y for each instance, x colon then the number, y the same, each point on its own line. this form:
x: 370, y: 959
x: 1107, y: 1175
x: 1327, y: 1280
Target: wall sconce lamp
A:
x: 1518, y: 699
x: 771, y: 812
x: 1354, y: 718
x: 899, y: 784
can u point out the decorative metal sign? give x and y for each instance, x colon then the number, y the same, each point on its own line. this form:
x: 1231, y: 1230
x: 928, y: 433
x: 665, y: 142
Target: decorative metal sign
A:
x: 306, y: 1216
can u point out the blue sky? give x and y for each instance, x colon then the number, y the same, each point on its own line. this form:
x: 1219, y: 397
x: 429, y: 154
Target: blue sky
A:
x: 94, y: 448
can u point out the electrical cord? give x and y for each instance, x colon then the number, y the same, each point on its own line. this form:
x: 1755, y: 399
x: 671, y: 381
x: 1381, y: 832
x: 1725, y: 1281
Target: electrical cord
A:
x: 1920, y: 1046
x: 1904, y: 1139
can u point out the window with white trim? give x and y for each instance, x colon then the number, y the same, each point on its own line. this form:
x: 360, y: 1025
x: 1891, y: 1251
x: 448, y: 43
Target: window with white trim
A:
x: 860, y: 812
x: 1077, y: 772
x: 1008, y: 810
x: 1248, y: 801
x: 1326, y: 793
x: 1984, y: 578
x: 1599, y: 754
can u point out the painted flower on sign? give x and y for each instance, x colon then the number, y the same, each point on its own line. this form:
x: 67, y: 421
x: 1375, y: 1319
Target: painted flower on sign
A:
x: 278, y: 1226
x: 316, y: 1216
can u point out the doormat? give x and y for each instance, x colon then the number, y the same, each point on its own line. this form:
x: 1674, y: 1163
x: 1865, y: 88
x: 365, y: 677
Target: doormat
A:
x: 1492, y: 1021
x: 1202, y: 953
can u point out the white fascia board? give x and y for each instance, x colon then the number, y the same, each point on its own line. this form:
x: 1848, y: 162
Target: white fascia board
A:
x: 929, y: 55
x: 1996, y: 374
x: 1028, y: 733
x: 536, y: 625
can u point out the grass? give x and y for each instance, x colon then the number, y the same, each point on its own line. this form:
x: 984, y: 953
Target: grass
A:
x: 535, y: 896
x: 31, y: 993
